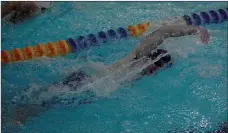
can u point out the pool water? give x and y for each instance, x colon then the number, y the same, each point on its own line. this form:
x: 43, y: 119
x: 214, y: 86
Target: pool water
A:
x: 191, y: 95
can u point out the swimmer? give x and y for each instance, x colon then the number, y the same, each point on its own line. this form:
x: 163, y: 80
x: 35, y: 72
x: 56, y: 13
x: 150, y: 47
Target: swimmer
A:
x: 146, y: 52
x: 18, y: 11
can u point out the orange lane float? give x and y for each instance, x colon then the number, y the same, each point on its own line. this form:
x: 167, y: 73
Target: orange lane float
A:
x: 51, y: 49
x: 39, y: 50
x: 62, y: 47
x: 6, y: 57
x: 17, y: 54
x: 137, y: 30
x: 28, y: 52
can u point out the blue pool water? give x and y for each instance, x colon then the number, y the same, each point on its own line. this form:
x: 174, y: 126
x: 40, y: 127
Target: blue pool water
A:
x: 192, y: 94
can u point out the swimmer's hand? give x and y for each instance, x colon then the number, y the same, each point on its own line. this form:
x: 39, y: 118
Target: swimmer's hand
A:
x: 204, y: 35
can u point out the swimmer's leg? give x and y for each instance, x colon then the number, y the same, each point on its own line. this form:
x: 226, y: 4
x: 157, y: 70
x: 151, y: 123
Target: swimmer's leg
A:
x: 21, y: 113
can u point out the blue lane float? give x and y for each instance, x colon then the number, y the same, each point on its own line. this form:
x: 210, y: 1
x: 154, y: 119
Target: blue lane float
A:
x: 223, y: 14
x: 82, y: 42
x: 215, y: 16
x: 112, y: 34
x: 122, y: 32
x: 196, y: 17
x: 92, y: 39
x: 102, y: 37
x: 212, y: 16
x: 72, y: 44
x: 206, y: 17
x: 187, y: 19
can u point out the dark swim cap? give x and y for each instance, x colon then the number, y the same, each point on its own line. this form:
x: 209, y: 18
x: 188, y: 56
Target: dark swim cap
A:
x: 159, y: 63
x: 164, y: 59
x: 156, y: 53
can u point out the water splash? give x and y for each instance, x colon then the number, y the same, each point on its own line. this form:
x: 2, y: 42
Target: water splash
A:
x: 102, y: 83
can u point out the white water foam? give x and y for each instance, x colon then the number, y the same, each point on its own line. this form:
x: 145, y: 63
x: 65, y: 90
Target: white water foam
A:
x: 100, y: 85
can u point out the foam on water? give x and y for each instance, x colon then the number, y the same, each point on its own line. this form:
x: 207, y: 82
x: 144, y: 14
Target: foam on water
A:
x: 102, y: 85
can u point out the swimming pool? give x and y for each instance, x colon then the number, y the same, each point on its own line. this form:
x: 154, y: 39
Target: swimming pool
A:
x: 190, y: 95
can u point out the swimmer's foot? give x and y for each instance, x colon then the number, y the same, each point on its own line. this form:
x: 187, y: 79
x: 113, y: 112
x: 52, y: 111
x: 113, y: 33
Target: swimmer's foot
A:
x: 21, y: 113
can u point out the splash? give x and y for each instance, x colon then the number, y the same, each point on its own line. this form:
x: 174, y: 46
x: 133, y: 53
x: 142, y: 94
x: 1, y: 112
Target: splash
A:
x: 102, y: 83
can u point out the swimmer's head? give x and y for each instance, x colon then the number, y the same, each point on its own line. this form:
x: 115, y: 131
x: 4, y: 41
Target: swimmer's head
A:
x: 157, y: 64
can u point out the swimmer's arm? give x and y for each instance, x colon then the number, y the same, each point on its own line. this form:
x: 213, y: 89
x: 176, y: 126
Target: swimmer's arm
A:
x: 157, y: 37
x: 178, y: 30
x: 183, y: 30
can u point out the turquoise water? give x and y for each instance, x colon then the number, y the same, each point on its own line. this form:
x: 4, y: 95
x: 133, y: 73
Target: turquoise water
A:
x: 190, y: 95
